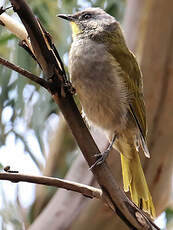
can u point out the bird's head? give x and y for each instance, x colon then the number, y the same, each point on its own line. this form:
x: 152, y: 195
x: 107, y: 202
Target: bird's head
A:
x: 91, y: 22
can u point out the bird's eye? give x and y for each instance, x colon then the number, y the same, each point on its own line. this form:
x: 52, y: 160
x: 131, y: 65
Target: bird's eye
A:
x: 86, y: 16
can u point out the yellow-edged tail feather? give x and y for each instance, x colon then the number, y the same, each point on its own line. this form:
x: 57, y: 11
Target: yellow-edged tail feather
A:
x: 133, y: 177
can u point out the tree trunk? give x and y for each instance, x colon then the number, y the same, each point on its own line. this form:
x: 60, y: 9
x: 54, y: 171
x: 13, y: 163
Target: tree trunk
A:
x: 149, y: 31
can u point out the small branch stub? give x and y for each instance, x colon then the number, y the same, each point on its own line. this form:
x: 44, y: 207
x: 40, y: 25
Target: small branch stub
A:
x: 140, y: 219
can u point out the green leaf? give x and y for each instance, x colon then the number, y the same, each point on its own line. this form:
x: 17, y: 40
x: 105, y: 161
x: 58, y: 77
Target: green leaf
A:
x: 169, y: 215
x: 1, y: 166
x: 5, y: 38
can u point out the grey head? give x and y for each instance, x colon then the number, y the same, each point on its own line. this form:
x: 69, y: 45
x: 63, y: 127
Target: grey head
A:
x: 91, y: 22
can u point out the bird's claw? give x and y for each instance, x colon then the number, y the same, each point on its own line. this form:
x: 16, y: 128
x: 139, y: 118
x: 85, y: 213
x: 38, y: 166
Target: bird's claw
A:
x: 101, y: 158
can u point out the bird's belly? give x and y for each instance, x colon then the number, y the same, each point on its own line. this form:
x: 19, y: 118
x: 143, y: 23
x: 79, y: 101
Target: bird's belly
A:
x: 98, y: 86
x: 102, y: 114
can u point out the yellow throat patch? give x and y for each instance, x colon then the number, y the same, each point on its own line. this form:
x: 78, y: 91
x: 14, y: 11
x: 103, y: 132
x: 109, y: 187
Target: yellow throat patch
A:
x: 75, y: 29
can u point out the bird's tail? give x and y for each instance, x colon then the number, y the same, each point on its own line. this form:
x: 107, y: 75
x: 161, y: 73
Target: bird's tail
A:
x: 134, y: 180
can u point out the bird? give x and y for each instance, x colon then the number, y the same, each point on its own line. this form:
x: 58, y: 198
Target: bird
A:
x: 109, y: 85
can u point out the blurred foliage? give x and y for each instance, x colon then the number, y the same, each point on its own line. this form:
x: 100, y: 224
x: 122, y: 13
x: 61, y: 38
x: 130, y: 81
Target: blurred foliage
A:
x: 10, y: 215
x: 169, y: 215
x: 22, y: 102
x: 169, y: 219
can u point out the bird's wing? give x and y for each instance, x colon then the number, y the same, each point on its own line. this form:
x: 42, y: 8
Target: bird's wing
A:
x: 133, y: 80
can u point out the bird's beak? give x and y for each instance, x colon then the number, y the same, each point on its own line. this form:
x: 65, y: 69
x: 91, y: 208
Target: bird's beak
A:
x: 67, y: 17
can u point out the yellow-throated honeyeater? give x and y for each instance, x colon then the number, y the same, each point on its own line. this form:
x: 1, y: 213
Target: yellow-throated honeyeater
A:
x: 108, y: 82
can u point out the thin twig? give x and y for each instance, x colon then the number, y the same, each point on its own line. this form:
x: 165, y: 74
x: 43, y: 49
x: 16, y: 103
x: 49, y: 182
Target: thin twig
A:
x: 25, y: 73
x: 86, y: 190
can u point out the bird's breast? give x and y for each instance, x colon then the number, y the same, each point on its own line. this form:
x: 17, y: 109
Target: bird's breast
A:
x: 98, y: 81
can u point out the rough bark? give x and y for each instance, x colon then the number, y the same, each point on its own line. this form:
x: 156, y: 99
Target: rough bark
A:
x: 153, y: 36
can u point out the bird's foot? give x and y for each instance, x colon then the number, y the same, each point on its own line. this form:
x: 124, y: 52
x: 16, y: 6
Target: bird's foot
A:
x: 70, y: 88
x: 102, y: 156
